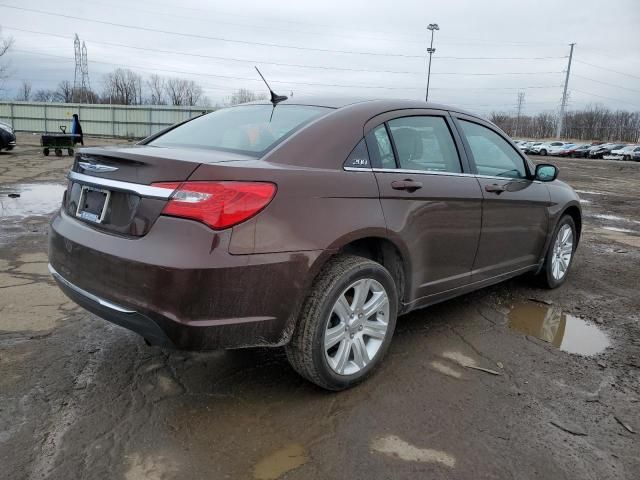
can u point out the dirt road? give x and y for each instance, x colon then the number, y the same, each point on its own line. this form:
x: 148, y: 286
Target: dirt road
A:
x: 80, y: 398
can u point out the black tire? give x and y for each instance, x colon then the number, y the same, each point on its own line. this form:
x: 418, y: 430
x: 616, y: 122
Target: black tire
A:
x: 545, y: 276
x: 626, y: 158
x: 543, y: 152
x: 45, y: 152
x: 70, y: 152
x: 305, y: 352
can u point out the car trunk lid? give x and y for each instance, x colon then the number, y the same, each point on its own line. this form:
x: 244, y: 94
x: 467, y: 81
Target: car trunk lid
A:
x: 111, y: 188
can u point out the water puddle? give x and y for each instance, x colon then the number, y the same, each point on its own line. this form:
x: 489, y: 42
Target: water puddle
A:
x: 33, y: 199
x: 566, y: 332
x: 280, y: 462
x: 396, y: 447
x: 591, y: 192
x: 613, y: 218
x: 618, y: 229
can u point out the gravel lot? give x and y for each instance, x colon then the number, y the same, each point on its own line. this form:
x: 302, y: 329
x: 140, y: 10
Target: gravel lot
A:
x: 80, y: 398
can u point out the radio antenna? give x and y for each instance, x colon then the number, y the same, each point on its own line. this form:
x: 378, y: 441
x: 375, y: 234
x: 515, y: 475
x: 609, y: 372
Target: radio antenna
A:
x: 275, y: 98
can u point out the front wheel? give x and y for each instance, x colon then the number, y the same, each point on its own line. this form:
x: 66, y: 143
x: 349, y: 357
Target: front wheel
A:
x: 346, y: 323
x: 543, y: 152
x: 560, y: 253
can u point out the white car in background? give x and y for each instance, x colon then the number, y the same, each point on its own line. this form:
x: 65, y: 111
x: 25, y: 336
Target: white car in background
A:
x: 624, y: 153
x: 559, y: 150
x: 543, y: 148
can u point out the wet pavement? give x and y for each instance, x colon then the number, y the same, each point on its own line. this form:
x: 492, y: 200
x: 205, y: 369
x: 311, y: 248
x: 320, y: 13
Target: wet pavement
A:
x: 507, y: 382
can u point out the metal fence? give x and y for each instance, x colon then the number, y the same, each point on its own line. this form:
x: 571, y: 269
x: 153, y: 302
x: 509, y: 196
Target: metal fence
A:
x: 131, y: 121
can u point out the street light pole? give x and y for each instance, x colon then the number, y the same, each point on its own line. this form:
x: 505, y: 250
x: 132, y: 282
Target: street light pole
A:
x: 430, y: 51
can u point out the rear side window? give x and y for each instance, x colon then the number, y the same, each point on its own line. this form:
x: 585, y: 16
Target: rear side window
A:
x: 492, y: 154
x: 359, y: 157
x: 424, y: 143
x: 251, y: 129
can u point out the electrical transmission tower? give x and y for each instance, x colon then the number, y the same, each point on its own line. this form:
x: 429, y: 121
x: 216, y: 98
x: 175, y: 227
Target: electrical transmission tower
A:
x: 81, y: 84
x: 519, y: 110
x: 86, y: 85
x: 77, y: 77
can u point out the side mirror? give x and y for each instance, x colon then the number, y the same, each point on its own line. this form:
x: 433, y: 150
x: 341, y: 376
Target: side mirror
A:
x: 546, y: 172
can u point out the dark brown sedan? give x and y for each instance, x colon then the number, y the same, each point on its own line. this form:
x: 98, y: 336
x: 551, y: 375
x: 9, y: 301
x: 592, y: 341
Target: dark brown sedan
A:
x: 307, y: 224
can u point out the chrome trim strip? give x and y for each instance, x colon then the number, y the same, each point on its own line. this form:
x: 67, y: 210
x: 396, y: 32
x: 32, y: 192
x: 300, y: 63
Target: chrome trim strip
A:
x: 422, y: 172
x: 142, y: 190
x: 358, y: 169
x: 448, y: 174
x: 84, y: 293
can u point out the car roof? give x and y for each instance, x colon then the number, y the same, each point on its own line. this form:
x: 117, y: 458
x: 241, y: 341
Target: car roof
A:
x: 379, y: 105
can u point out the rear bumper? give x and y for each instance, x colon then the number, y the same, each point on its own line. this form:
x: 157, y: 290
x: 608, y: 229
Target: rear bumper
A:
x: 178, y: 286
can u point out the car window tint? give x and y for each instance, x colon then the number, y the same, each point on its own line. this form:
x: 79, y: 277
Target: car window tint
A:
x: 424, y: 143
x: 385, y: 150
x: 493, y: 155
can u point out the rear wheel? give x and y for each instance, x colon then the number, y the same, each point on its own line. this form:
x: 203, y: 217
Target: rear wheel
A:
x: 560, y: 254
x: 543, y: 152
x: 346, y: 323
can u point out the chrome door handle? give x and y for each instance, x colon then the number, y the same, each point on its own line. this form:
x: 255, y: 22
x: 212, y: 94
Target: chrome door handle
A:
x: 408, y: 185
x: 495, y: 188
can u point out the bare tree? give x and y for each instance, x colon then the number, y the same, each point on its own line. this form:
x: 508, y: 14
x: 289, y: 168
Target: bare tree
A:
x: 183, y: 92
x: 157, y: 88
x: 64, y: 92
x: 5, y: 44
x: 24, y: 92
x: 43, y: 95
x: 124, y: 87
x: 244, y: 95
x: 592, y: 123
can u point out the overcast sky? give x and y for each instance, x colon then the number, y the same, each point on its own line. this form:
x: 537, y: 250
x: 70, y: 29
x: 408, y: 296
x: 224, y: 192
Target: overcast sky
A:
x: 365, y: 48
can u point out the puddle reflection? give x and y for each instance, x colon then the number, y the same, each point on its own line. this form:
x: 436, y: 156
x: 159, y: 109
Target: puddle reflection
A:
x: 34, y: 199
x: 566, y: 332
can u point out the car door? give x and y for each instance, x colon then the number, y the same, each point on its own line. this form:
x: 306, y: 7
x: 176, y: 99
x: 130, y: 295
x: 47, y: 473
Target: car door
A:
x: 431, y: 203
x: 515, y: 216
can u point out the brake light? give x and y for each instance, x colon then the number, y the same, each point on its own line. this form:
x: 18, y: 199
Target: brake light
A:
x: 217, y: 204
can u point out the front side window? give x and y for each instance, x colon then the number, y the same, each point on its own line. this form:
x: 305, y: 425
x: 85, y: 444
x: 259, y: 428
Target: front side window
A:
x: 492, y: 154
x: 249, y: 129
x: 424, y: 143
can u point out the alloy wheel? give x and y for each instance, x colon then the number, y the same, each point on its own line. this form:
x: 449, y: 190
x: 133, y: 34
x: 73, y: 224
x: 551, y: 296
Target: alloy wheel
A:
x: 356, y: 327
x: 562, y: 252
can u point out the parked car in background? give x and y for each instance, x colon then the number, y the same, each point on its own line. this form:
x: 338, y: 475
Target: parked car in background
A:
x: 636, y: 155
x: 7, y: 137
x: 245, y: 227
x: 560, y: 151
x: 543, y: 148
x: 623, y: 153
x: 599, y: 151
x: 580, y: 151
x: 530, y: 145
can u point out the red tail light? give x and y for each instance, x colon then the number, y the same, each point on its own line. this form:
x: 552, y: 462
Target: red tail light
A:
x: 217, y: 204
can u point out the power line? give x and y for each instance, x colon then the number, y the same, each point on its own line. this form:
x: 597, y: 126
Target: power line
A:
x: 608, y: 69
x: 260, y: 61
x: 214, y: 57
x: 606, y: 83
x: 206, y: 37
x: 607, y: 98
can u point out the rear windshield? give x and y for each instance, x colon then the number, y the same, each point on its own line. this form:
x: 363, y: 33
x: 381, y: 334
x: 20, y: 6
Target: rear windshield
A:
x: 252, y: 129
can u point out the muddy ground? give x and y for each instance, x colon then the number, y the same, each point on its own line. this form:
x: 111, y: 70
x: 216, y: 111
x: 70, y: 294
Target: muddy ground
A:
x: 80, y: 398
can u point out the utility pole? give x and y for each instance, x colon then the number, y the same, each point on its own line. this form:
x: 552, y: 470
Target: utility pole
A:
x: 430, y: 51
x: 563, y: 105
x: 520, y: 104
